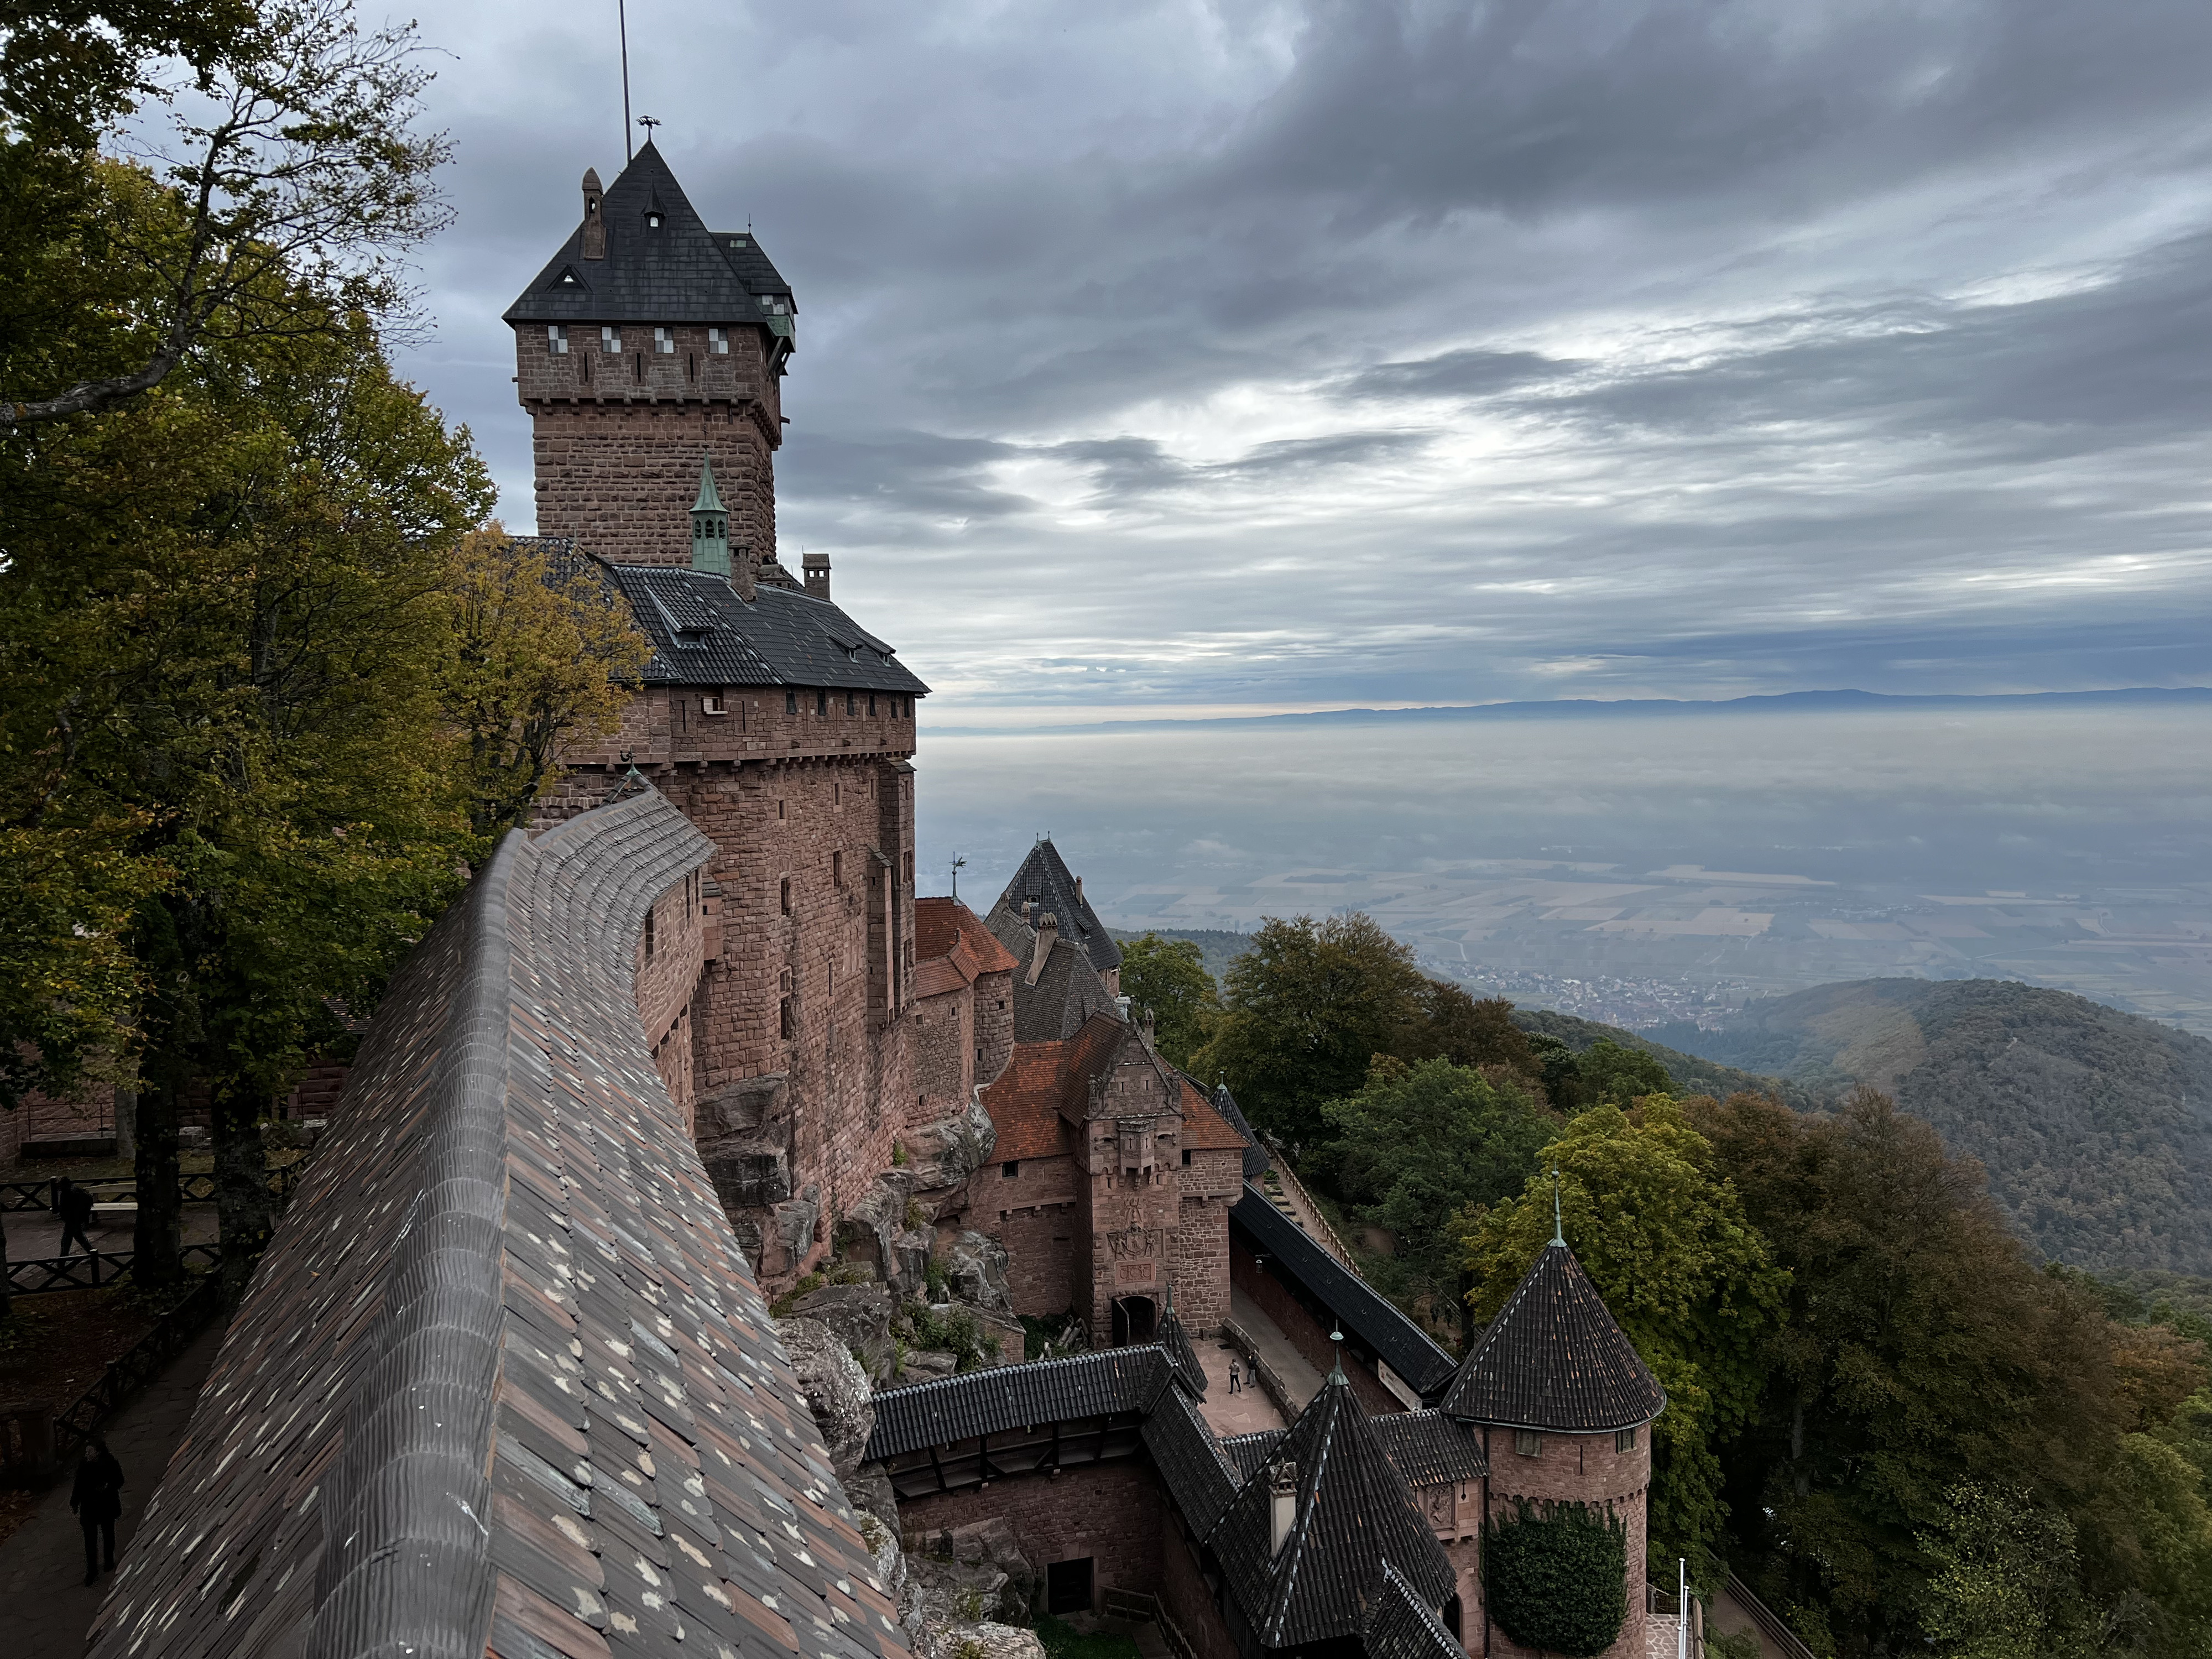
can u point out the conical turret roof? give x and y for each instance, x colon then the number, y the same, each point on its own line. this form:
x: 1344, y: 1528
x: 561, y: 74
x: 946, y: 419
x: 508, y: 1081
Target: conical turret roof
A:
x: 1554, y: 1360
x: 1354, y: 1521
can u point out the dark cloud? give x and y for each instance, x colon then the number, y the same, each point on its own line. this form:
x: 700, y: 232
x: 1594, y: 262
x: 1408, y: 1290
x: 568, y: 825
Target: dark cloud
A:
x: 1286, y: 352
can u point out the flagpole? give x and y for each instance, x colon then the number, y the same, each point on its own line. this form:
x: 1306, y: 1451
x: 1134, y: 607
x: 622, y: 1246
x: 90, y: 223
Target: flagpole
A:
x: 621, y: 23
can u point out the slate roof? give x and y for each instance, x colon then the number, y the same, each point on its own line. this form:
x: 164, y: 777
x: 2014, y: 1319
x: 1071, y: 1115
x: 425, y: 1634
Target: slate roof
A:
x: 1068, y: 991
x: 1002, y: 1397
x: 1189, y: 1461
x: 1183, y: 1363
x: 1554, y: 1360
x: 503, y: 1383
x: 680, y: 273
x: 1364, y: 1314
x: 1354, y: 1518
x: 952, y: 948
x: 704, y: 633
x: 1045, y: 878
x: 1255, y: 1155
x: 1427, y: 1447
x: 1401, y: 1625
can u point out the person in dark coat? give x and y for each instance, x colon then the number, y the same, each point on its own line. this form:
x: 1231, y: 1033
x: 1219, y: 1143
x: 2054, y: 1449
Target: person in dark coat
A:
x: 74, y: 1204
x: 97, y: 1498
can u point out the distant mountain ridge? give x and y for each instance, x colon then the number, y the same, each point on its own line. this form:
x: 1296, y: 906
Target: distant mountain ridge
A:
x: 1693, y: 1073
x: 2095, y: 1126
x: 1591, y: 707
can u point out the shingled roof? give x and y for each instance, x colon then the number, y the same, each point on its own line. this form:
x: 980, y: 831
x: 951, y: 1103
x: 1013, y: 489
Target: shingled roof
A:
x: 1554, y: 1360
x: 704, y: 633
x: 1066, y: 993
x: 1427, y: 1447
x: 1368, y: 1317
x: 678, y: 273
x: 1400, y: 1626
x: 1354, y: 1519
x: 953, y: 948
x: 1002, y: 1397
x: 1044, y: 878
x: 503, y: 1383
x: 1255, y: 1155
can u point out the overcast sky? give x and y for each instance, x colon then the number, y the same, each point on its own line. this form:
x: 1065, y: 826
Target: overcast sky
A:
x: 1198, y: 358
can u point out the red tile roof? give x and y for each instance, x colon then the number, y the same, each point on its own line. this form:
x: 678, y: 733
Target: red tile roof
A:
x: 1046, y: 1084
x: 953, y: 947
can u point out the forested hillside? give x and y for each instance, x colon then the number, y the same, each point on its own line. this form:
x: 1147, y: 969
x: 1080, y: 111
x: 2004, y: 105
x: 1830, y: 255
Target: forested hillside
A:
x: 1691, y: 1075
x: 2095, y: 1127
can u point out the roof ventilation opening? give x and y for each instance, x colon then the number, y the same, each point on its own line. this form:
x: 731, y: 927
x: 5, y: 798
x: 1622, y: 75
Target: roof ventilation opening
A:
x: 1282, y: 1505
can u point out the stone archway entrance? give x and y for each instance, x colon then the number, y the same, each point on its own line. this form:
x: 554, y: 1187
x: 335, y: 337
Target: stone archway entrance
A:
x: 1134, y: 1321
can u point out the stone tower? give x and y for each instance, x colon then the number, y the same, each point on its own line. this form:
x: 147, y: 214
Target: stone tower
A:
x: 648, y: 340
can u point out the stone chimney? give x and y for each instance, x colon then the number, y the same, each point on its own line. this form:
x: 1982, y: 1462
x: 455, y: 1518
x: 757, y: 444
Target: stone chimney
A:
x: 1121, y: 1008
x: 595, y: 226
x: 744, y: 574
x: 814, y: 566
x: 1048, y: 935
x: 1282, y: 1505
x: 1079, y: 890
x: 1144, y: 1027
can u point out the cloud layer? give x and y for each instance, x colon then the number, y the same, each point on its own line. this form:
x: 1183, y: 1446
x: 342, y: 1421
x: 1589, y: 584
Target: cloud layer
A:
x: 1310, y: 354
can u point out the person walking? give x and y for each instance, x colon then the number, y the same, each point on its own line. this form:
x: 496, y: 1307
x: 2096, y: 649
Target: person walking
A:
x: 97, y: 1498
x: 74, y: 1204
x: 1234, y: 1383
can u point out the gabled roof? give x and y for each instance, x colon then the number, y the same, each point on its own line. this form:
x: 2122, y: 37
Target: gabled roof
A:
x: 681, y: 272
x: 1045, y: 878
x: 1401, y: 1625
x: 1365, y: 1313
x: 952, y: 948
x: 1068, y: 991
x: 1204, y: 1129
x: 1198, y: 1477
x: 1554, y: 1360
x: 1024, y: 1102
x: 1354, y: 1519
x: 1426, y: 1448
x: 704, y: 633
x: 1002, y: 1397
x: 1174, y: 1341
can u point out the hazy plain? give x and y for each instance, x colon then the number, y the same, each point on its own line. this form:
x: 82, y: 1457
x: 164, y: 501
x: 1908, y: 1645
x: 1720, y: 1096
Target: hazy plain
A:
x: 1633, y: 865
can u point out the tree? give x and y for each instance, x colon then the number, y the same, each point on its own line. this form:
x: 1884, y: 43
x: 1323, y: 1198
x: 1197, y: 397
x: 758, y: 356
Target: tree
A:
x: 1169, y: 977
x: 1923, y: 1351
x: 540, y: 658
x: 1307, y: 1007
x: 290, y: 163
x: 1416, y: 1149
x: 1455, y: 1026
x: 1663, y: 1235
x: 2002, y: 1568
x: 1555, y: 1579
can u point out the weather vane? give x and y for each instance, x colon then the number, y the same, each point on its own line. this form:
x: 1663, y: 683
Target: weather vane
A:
x: 648, y: 122
x: 959, y: 865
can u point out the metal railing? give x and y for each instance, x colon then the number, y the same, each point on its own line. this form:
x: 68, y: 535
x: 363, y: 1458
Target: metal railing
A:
x: 124, y: 1189
x: 1142, y: 1605
x: 148, y: 1358
x: 88, y: 1271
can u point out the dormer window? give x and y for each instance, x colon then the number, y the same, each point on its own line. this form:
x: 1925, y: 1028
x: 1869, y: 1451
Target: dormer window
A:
x: 653, y: 218
x: 717, y: 341
x: 664, y: 339
x: 556, y: 339
x: 611, y: 341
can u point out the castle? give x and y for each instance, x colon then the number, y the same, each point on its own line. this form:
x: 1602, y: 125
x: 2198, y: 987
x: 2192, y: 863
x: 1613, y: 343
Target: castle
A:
x: 871, y: 1075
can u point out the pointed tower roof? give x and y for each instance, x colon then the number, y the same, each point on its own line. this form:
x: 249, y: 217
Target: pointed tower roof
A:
x: 1554, y: 1359
x: 710, y: 499
x: 1175, y: 1342
x: 1354, y: 1521
x: 1045, y: 878
x: 677, y: 271
x: 1255, y: 1155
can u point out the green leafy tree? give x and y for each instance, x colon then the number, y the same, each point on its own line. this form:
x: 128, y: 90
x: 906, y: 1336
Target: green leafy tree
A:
x: 1923, y: 1351
x: 1663, y: 1235
x: 1418, y: 1148
x: 2002, y: 1569
x: 1169, y: 977
x: 1466, y: 1031
x: 1305, y: 1009
x: 1616, y: 1075
x: 1555, y: 1579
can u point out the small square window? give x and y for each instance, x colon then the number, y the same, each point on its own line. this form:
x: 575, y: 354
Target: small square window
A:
x: 1527, y: 1443
x: 791, y: 702
x: 1186, y: 1157
x: 1010, y: 1171
x: 717, y: 341
x: 1624, y: 1440
x: 557, y: 338
x: 611, y: 341
x: 664, y: 340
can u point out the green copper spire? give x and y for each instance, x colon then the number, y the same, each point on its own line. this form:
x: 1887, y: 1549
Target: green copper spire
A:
x: 710, y: 526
